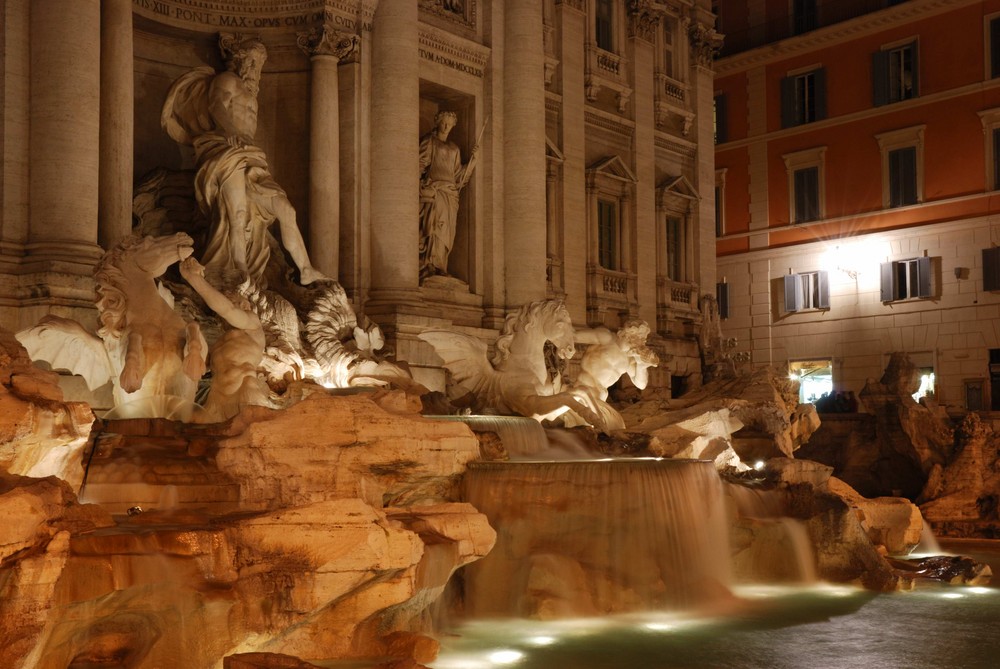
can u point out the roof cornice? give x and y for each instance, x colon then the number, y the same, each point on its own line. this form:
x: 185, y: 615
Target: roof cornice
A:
x: 877, y: 21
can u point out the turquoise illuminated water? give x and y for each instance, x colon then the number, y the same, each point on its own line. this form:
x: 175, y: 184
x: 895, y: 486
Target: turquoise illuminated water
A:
x: 824, y: 627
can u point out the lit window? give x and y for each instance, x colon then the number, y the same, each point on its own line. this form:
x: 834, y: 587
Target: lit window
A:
x: 808, y: 290
x: 926, y: 388
x: 906, y: 279
x: 815, y: 378
x: 894, y: 74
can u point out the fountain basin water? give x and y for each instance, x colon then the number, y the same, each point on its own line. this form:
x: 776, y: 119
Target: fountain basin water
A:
x: 598, y: 536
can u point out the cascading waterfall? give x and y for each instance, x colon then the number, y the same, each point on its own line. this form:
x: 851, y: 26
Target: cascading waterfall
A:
x: 597, y: 537
x: 782, y: 551
x: 522, y: 437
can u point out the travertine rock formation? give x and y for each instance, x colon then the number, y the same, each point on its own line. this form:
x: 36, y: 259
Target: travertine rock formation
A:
x: 962, y: 496
x: 893, y: 451
x: 40, y: 435
x: 756, y: 414
x: 344, y: 531
x: 801, y: 508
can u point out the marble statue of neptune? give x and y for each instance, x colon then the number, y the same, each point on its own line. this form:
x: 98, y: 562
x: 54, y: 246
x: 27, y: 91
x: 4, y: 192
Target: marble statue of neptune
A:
x: 216, y: 113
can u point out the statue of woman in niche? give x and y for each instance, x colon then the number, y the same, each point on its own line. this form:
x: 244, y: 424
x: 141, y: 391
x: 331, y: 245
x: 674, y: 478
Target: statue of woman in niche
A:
x: 442, y: 177
x: 216, y: 113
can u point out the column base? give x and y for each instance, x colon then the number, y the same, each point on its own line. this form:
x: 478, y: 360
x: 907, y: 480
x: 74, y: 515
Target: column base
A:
x: 68, y: 256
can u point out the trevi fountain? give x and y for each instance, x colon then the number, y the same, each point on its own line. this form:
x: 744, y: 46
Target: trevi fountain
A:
x: 220, y: 462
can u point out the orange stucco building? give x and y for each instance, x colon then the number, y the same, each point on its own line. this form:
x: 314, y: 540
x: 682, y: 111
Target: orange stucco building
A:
x: 857, y: 176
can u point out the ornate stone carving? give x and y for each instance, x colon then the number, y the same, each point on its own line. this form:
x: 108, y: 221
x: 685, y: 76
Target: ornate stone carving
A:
x: 216, y: 113
x: 442, y: 177
x: 644, y: 18
x: 705, y: 43
x: 328, y: 41
x: 609, y: 356
x: 152, y: 356
x: 462, y: 12
x: 517, y: 380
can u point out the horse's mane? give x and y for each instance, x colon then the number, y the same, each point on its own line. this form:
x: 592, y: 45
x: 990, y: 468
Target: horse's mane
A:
x: 112, y: 303
x: 524, y: 320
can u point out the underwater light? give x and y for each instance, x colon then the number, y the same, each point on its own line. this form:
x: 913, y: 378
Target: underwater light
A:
x: 953, y: 595
x: 980, y: 590
x: 506, y: 656
x: 759, y: 465
x: 541, y: 640
x: 658, y: 627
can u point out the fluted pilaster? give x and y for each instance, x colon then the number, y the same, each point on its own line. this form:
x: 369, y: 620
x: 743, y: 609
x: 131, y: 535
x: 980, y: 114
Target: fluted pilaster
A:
x: 524, y: 152
x: 326, y: 47
x: 395, y: 165
x: 117, y: 95
x: 65, y: 105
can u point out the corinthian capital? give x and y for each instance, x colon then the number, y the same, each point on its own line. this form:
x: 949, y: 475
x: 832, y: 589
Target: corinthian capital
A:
x: 644, y: 17
x: 328, y: 41
x: 705, y: 43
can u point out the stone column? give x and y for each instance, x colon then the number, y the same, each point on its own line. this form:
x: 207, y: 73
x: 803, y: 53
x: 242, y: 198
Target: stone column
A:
x: 704, y: 43
x: 524, y: 152
x: 395, y: 166
x: 64, y: 137
x: 115, y: 180
x: 326, y: 46
x: 643, y: 23
x: 574, y: 26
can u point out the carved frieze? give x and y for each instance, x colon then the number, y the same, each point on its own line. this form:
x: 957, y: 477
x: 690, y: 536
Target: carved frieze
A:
x: 439, y: 46
x: 264, y: 16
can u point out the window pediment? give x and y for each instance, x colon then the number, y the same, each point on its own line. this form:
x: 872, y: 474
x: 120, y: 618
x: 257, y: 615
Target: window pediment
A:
x: 676, y: 193
x: 612, y: 167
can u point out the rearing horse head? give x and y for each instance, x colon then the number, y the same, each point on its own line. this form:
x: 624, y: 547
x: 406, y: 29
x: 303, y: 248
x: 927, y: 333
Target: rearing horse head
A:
x: 531, y: 326
x: 135, y: 257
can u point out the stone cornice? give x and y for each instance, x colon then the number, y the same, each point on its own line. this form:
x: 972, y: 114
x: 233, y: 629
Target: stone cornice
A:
x: 553, y: 104
x: 857, y: 229
x: 675, y: 144
x: 456, y: 52
x: 861, y: 26
x: 465, y: 18
x: 605, y: 121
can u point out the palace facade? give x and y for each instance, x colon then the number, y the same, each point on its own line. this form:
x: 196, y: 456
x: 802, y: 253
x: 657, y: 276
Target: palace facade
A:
x: 857, y: 170
x: 593, y: 180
